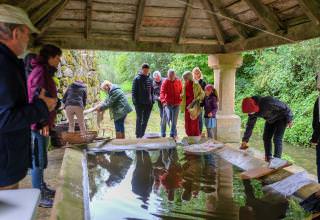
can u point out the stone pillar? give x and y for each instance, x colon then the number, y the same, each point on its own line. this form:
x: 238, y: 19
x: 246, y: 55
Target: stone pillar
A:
x: 225, y: 67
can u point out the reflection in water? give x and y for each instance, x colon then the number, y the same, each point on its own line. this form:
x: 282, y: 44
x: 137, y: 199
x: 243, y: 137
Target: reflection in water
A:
x: 167, y: 184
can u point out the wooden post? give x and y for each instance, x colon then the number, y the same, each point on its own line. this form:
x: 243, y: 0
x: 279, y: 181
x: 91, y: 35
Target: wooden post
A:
x: 139, y: 17
x: 183, y: 26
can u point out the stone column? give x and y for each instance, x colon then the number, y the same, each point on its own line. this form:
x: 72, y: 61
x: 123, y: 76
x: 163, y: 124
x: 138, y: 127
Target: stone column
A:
x: 225, y: 67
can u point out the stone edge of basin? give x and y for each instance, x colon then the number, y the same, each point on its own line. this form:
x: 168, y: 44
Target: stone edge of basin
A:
x: 68, y: 202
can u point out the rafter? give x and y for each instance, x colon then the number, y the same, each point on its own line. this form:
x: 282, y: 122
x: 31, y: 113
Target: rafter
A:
x: 312, y: 9
x: 241, y: 30
x: 183, y: 26
x: 266, y: 16
x: 214, y: 21
x: 87, y: 28
x: 44, y: 10
x: 52, y: 16
x: 139, y: 17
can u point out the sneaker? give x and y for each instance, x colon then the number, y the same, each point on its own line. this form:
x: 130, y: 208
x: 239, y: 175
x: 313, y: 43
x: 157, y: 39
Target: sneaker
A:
x: 48, y: 192
x: 45, y: 202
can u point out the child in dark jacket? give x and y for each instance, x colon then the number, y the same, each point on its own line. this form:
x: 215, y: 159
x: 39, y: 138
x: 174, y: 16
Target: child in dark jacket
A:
x: 210, y: 109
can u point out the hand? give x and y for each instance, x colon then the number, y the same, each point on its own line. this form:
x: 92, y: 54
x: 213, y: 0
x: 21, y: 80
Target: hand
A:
x: 244, y: 145
x: 51, y: 103
x: 210, y: 115
x: 290, y: 124
x: 45, y: 131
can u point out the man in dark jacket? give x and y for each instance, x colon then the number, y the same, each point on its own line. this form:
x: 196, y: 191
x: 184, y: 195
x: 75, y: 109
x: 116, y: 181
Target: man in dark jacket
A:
x: 278, y: 117
x: 142, y: 98
x: 315, y: 140
x: 16, y: 114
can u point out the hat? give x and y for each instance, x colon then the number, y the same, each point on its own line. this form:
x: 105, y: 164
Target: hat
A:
x: 249, y: 105
x: 14, y: 15
x: 209, y: 88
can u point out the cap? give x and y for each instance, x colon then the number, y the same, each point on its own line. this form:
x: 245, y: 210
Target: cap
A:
x: 14, y: 15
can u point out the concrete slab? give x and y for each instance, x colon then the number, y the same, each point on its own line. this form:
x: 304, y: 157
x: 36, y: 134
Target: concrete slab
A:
x: 19, y: 204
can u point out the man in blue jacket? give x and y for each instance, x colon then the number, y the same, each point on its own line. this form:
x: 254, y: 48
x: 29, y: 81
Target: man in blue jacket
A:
x: 16, y: 114
x: 142, y: 98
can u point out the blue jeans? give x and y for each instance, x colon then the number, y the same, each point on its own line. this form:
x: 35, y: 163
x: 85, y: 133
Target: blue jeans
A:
x: 39, y: 158
x: 119, y: 124
x: 163, y: 122
x: 174, y: 113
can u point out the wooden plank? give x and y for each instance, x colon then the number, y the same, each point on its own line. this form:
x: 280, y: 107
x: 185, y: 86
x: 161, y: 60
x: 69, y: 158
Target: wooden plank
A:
x: 166, y: 3
x: 215, y: 24
x: 200, y: 32
x: 183, y: 27
x: 199, y: 41
x: 74, y: 14
x: 76, y: 5
x: 113, y: 17
x: 87, y: 27
x: 312, y: 9
x: 161, y: 22
x: 114, y: 7
x: 123, y: 45
x: 164, y: 12
x: 240, y: 29
x: 29, y: 5
x: 159, y: 31
x: 266, y: 16
x: 120, y: 2
x: 44, y: 10
x: 52, y: 16
x: 139, y: 17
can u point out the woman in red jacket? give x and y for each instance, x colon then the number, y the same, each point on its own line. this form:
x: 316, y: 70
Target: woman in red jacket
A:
x: 170, y: 97
x: 41, y: 77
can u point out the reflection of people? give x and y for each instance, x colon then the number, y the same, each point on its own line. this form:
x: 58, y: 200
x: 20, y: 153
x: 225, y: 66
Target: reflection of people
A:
x: 142, y: 179
x: 191, y: 99
x: 278, y: 116
x: 118, y: 167
x: 259, y: 209
x: 172, y: 178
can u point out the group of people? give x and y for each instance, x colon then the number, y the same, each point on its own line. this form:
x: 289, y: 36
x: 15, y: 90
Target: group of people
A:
x: 172, y: 96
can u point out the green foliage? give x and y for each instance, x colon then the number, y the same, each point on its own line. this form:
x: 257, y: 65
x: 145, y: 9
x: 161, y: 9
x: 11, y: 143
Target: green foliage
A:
x: 181, y: 63
x: 295, y: 211
x: 287, y: 73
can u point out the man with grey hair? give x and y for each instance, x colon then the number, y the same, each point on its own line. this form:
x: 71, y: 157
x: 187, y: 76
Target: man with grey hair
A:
x: 16, y: 114
x: 156, y: 84
x: 170, y: 96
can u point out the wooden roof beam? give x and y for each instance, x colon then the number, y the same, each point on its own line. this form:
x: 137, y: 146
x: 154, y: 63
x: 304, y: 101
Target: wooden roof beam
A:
x: 183, y: 26
x: 52, y: 16
x: 139, y: 17
x: 312, y: 9
x: 44, y: 10
x: 266, y: 16
x: 240, y: 29
x: 87, y: 26
x: 215, y: 24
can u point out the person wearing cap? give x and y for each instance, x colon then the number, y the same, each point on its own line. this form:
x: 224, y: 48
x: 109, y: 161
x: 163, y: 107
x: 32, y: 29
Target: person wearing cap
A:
x: 170, y: 97
x: 142, y: 98
x: 156, y: 84
x: 278, y: 117
x: 16, y: 113
x: 118, y: 106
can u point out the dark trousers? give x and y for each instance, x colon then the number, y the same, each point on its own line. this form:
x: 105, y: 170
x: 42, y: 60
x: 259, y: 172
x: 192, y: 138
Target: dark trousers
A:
x: 143, y: 114
x: 318, y: 160
x: 274, y: 131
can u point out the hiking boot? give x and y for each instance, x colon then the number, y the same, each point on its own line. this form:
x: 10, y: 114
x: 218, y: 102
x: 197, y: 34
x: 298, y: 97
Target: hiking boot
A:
x: 45, y: 202
x: 48, y: 192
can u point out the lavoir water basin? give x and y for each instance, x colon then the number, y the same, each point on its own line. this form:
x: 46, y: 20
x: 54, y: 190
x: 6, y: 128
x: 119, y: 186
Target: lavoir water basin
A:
x: 170, y: 184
